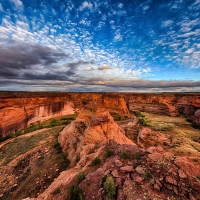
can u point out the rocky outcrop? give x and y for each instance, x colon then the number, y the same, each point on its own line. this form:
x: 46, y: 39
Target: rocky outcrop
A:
x: 89, y: 129
x: 148, y: 172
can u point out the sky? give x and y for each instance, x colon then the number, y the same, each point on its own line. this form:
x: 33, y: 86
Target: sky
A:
x: 100, y: 46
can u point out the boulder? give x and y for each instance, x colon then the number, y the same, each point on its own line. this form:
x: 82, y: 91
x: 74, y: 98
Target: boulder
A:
x: 118, y: 163
x: 126, y: 169
x: 188, y: 168
x: 140, y: 170
x: 171, y: 180
x: 115, y: 173
x: 120, y: 194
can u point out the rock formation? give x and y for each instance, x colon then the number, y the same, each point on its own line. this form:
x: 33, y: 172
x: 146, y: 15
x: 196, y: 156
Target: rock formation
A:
x: 149, y: 172
x: 89, y: 129
x: 18, y: 110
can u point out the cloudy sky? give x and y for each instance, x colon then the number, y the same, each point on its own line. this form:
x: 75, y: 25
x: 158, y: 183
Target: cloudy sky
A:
x: 102, y: 45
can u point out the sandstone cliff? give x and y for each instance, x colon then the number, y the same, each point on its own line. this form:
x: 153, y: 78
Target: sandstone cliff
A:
x: 19, y: 109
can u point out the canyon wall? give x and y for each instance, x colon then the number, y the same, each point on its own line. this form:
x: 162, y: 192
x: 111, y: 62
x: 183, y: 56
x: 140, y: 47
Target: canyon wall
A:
x: 20, y: 109
x: 165, y: 103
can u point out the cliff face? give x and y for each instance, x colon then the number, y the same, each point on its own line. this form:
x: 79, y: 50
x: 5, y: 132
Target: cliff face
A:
x: 167, y: 104
x: 18, y: 110
x: 17, y: 113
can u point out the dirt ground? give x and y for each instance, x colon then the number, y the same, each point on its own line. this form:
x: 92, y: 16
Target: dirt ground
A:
x: 30, y: 163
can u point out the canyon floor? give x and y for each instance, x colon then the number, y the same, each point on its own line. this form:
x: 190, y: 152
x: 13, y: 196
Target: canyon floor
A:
x: 30, y: 163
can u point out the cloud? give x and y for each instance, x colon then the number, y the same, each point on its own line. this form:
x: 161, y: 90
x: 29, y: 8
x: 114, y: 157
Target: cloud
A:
x: 86, y: 5
x: 188, y: 34
x: 190, y: 51
x: 17, y: 3
x: 14, y: 60
x: 118, y: 37
x: 104, y: 68
x: 1, y: 8
x: 167, y: 23
x: 146, y: 7
x: 101, y: 84
x: 120, y: 5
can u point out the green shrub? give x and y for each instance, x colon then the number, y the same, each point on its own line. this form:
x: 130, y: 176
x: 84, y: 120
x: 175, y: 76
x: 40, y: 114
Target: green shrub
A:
x: 125, y: 155
x: 108, y: 153
x: 56, y: 191
x: 80, y: 176
x: 78, y: 158
x: 137, y: 156
x: 103, y: 180
x: 109, y: 187
x: 148, y: 175
x: 75, y: 192
x: 143, y: 121
x: 91, y: 151
x: 96, y: 161
x: 138, y: 114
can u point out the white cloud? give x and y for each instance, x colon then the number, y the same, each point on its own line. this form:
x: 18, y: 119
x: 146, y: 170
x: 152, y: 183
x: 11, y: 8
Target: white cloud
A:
x: 187, y: 34
x: 86, y: 5
x: 146, y: 7
x: 120, y: 5
x: 189, y: 51
x: 167, y: 23
x: 1, y: 8
x: 118, y: 37
x: 17, y: 3
x: 22, y: 25
x: 185, y: 29
x: 84, y: 22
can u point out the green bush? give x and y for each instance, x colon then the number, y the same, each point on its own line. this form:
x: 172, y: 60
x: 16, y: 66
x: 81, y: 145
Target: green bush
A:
x: 75, y: 192
x: 109, y: 187
x: 96, y: 161
x: 125, y: 155
x: 108, y: 153
x: 138, y: 114
x: 103, y: 180
x: 137, y: 156
x: 148, y: 175
x: 80, y: 176
x: 56, y: 191
x: 78, y: 158
x: 143, y: 121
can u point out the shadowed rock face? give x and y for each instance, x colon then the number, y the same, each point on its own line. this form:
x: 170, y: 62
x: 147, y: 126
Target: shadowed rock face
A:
x: 18, y: 110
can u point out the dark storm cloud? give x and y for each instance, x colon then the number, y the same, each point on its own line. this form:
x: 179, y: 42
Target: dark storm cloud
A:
x: 15, y: 59
x: 68, y: 72
x: 99, y: 84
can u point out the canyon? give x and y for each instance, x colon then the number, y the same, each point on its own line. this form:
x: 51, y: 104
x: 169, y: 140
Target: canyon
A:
x: 19, y: 110
x: 106, y: 151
